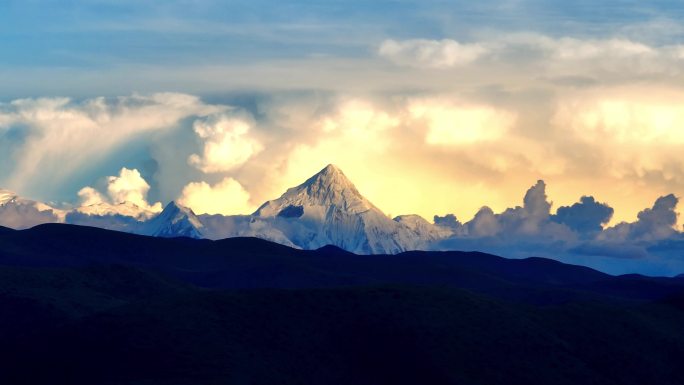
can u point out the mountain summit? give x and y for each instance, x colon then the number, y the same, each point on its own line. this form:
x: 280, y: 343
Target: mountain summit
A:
x: 327, y: 209
x: 328, y: 188
x: 21, y: 213
x: 174, y: 221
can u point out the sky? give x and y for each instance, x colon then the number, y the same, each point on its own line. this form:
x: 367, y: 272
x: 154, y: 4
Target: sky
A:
x: 429, y: 107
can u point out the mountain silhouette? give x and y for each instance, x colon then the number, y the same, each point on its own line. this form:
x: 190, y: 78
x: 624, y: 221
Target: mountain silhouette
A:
x: 84, y: 305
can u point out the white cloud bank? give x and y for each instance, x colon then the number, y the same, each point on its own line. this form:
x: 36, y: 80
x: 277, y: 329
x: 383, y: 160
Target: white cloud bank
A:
x: 126, y: 195
x: 444, y: 53
x: 227, y: 144
x: 227, y: 197
x: 451, y: 123
x: 61, y: 135
x: 529, y: 50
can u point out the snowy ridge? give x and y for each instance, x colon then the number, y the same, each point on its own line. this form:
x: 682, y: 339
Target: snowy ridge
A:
x: 126, y: 209
x: 174, y: 221
x: 20, y: 213
x: 424, y: 230
x: 220, y: 226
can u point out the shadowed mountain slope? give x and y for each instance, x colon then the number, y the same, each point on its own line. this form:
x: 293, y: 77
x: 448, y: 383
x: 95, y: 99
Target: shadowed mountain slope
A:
x: 255, y: 263
x: 89, y: 306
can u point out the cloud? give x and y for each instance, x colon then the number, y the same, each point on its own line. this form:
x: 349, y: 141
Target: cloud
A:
x: 357, y: 118
x: 576, y: 49
x: 653, y: 224
x: 530, y: 222
x: 516, y: 140
x: 448, y: 220
x: 227, y: 144
x: 574, y: 234
x: 444, y: 53
x: 586, y: 216
x: 484, y: 224
x: 662, y: 216
x: 451, y: 123
x: 628, y: 133
x: 61, y: 137
x: 128, y: 187
x: 23, y: 214
x: 535, y: 203
x: 89, y: 196
x: 612, y: 57
x: 227, y: 197
x: 623, y: 115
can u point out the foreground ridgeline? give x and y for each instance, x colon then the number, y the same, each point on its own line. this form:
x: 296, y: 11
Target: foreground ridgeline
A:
x: 83, y: 305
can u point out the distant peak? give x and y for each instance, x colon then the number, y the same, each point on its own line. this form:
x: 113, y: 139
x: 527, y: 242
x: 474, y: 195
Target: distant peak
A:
x: 175, y: 206
x: 175, y: 212
x: 329, y: 188
x: 331, y: 168
x: 6, y: 196
x: 331, y: 174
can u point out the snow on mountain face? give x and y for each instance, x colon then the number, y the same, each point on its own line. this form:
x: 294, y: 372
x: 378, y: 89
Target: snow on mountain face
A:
x: 174, y: 221
x: 21, y: 213
x: 328, y: 209
x: 6, y: 196
x: 424, y: 230
x: 126, y: 209
x: 330, y: 187
x: 220, y: 227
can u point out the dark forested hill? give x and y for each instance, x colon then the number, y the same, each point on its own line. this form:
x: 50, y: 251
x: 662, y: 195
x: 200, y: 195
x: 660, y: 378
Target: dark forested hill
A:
x: 87, y: 306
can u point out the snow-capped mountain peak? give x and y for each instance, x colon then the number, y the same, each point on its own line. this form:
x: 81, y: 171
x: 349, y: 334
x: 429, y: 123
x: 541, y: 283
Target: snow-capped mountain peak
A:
x: 328, y: 188
x: 174, y: 221
x: 424, y: 230
x: 19, y: 213
x: 328, y: 209
x: 6, y: 196
x: 175, y: 213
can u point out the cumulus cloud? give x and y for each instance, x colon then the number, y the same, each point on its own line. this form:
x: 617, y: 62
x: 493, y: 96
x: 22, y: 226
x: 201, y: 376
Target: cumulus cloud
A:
x: 431, y: 53
x: 89, y: 196
x: 357, y: 118
x: 632, y: 132
x: 484, y: 224
x: 451, y: 123
x: 586, y: 216
x: 227, y: 197
x: 572, y: 230
x: 227, y: 144
x: 129, y: 187
x: 575, y: 233
x: 656, y: 223
x: 448, y: 220
x: 532, y: 221
x: 623, y: 115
